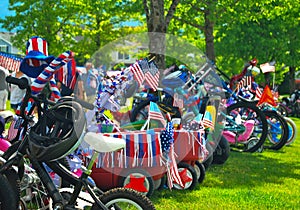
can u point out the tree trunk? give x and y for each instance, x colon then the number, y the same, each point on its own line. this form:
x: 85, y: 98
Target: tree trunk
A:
x: 291, y: 79
x: 157, y: 24
x: 209, y: 36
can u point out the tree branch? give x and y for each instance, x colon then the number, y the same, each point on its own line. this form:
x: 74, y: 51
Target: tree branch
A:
x: 146, y: 8
x: 202, y: 28
x: 171, y: 11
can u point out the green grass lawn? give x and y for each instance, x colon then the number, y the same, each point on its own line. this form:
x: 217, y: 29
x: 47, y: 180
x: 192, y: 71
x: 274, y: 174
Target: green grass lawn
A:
x: 267, y: 180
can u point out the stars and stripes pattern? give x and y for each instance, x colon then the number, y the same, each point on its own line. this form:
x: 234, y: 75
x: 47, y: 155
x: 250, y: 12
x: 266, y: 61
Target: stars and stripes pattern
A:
x: 246, y: 81
x: 146, y: 72
x: 207, y: 120
x: 138, y: 73
x: 9, y: 61
x: 266, y: 67
x: 155, y: 113
x: 152, y: 76
x: 169, y: 156
x: 47, y: 75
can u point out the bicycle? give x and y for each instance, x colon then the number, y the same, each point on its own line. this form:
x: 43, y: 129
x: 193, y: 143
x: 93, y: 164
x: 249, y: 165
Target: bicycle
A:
x: 30, y: 147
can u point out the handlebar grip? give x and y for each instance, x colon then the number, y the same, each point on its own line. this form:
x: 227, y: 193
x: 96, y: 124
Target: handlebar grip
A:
x: 21, y: 82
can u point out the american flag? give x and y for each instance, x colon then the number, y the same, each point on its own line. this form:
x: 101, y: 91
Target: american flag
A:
x: 167, y: 136
x: 10, y: 62
x: 258, y: 92
x: 207, y: 120
x: 155, y: 113
x: 266, y: 67
x: 137, y: 73
x: 152, y: 76
x: 246, y: 81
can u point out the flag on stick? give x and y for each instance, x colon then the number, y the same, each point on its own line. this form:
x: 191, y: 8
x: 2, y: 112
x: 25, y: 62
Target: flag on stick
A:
x: 152, y: 76
x: 137, y: 73
x: 155, y: 113
x: 266, y: 67
x: 267, y: 97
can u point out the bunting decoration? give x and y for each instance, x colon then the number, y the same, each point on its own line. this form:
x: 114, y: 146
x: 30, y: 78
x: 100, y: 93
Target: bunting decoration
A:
x: 10, y: 62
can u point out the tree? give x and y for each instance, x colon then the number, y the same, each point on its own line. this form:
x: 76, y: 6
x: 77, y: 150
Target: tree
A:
x: 82, y: 26
x: 159, y: 13
x: 266, y: 30
x: 49, y: 19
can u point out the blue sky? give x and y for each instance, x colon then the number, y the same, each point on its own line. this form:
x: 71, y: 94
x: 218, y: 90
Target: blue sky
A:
x: 4, y: 10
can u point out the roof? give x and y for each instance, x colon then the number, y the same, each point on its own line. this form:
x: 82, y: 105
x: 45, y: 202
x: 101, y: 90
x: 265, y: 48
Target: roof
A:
x: 7, y: 36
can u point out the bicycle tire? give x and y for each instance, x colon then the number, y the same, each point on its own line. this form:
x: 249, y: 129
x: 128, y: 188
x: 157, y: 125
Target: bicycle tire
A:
x: 138, y: 111
x: 278, y: 130
x: 14, y: 181
x: 7, y: 195
x: 190, y: 173
x: 282, y: 110
x: 126, y: 195
x: 139, y: 174
x: 292, y: 131
x: 260, y: 128
x: 200, y: 170
x: 222, y: 151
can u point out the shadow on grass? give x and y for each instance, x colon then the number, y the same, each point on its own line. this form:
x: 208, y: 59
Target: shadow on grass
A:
x: 243, y: 170
x: 250, y: 170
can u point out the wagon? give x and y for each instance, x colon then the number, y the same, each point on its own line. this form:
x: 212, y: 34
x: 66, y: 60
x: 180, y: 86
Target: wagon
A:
x: 141, y: 166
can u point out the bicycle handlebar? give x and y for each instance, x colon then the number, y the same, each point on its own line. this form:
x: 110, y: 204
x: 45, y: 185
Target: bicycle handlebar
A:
x: 22, y: 83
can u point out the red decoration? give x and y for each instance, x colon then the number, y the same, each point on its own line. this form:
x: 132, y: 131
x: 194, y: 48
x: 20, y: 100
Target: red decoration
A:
x: 267, y: 97
x: 136, y: 183
x: 184, y: 176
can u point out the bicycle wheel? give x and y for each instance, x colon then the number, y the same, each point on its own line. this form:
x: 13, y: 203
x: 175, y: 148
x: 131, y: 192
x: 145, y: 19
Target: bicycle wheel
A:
x: 200, y: 170
x: 282, y: 109
x: 140, y: 112
x: 292, y: 131
x: 253, y: 137
x: 188, y: 176
x: 7, y: 195
x: 277, y: 132
x: 128, y: 175
x: 221, y: 152
x: 124, y: 198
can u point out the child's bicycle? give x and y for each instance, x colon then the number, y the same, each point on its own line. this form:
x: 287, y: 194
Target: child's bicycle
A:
x: 59, y: 130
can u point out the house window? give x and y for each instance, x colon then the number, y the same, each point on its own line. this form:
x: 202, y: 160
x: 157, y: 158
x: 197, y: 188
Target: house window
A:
x: 123, y: 56
x: 3, y: 48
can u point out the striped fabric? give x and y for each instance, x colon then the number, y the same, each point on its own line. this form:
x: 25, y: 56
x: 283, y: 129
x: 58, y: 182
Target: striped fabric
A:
x: 37, y: 44
x: 138, y: 73
x: 47, y: 75
x: 245, y: 82
x: 143, y: 149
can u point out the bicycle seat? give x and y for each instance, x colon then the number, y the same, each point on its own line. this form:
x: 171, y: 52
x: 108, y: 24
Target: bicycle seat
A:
x: 102, y: 143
